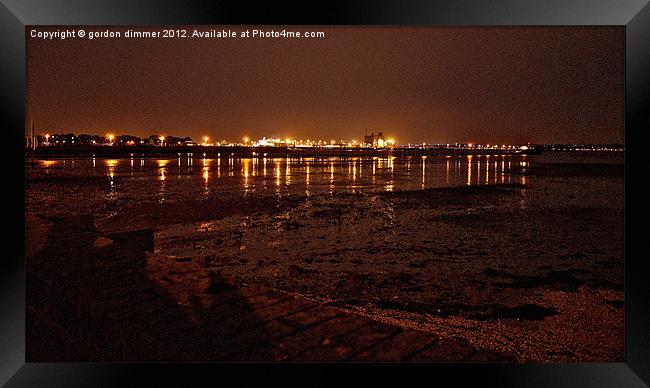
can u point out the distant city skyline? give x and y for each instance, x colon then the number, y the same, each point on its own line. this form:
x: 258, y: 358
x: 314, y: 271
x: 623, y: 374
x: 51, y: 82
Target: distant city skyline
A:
x: 126, y: 139
x: 436, y: 85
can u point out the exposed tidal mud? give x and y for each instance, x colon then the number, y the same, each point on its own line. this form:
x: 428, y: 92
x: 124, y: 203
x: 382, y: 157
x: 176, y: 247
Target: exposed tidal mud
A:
x: 473, y: 254
x: 532, y: 268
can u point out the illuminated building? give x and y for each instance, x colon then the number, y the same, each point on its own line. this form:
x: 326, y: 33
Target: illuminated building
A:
x: 374, y: 141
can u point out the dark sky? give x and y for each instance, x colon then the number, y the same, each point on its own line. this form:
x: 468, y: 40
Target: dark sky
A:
x: 438, y: 85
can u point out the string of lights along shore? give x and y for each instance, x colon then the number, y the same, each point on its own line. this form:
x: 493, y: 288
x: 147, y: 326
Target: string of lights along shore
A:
x: 372, y: 141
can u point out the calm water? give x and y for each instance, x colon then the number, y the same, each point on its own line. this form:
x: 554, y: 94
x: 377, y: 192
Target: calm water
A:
x: 185, y: 177
x: 294, y: 175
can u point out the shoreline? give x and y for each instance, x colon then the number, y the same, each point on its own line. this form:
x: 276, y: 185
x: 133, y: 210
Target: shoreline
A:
x: 278, y: 151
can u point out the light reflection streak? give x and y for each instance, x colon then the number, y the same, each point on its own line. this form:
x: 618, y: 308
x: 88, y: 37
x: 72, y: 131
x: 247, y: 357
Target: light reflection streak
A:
x: 374, y: 174
x: 287, y: 173
x: 206, y: 176
x: 245, y: 166
x: 424, y: 165
x: 447, y: 175
x: 161, y: 193
x: 331, y: 186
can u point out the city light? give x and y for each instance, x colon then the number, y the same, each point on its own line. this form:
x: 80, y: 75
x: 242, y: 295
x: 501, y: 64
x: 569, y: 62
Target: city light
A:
x: 371, y: 141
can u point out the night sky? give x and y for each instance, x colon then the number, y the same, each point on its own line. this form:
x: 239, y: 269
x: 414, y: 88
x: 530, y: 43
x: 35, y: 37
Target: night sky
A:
x: 434, y: 85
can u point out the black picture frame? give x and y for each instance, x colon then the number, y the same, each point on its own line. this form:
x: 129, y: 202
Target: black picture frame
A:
x: 16, y: 14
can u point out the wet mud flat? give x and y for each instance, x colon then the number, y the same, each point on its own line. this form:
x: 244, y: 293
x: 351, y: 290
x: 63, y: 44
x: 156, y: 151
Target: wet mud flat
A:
x: 533, y: 269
